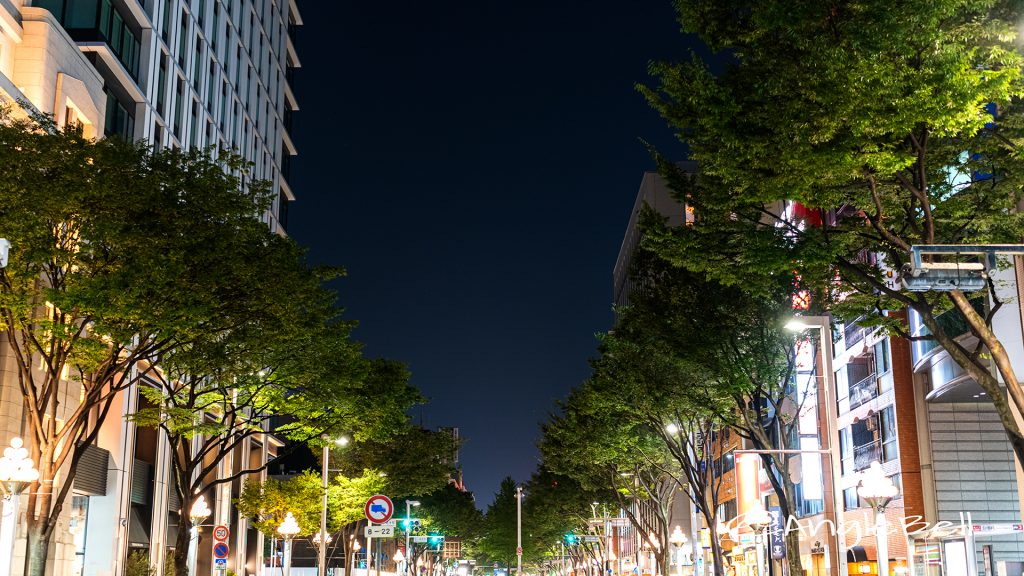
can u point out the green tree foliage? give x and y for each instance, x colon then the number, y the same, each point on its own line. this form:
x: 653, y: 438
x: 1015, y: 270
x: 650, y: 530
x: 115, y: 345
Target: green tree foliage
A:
x: 705, y: 357
x: 874, y: 118
x: 498, y: 543
x: 416, y: 461
x: 556, y: 505
x: 266, y: 503
x: 120, y: 255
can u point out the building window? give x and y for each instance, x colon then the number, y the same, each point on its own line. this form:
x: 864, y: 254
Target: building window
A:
x: 870, y: 438
x: 77, y: 527
x: 120, y: 121
x: 882, y: 362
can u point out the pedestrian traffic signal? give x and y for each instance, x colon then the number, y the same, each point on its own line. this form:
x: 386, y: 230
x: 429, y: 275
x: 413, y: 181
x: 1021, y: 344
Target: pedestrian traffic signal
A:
x: 570, y: 539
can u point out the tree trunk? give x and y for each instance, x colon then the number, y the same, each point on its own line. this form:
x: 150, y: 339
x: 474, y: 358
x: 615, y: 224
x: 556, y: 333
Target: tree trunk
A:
x: 36, y: 548
x: 982, y: 376
x: 181, y: 543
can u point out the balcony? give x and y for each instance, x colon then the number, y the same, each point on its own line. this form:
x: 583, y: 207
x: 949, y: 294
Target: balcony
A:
x: 853, y: 333
x: 863, y: 391
x: 864, y: 455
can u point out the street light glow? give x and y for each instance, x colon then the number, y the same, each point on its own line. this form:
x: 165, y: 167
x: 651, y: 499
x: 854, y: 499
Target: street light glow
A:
x: 16, y: 469
x: 289, y: 528
x: 200, y: 511
x: 671, y: 428
x: 798, y: 325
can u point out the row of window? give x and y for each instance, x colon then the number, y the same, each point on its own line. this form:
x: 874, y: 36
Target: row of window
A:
x: 92, y: 20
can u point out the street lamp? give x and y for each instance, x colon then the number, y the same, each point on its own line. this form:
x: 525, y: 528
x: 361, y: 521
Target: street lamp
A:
x: 758, y: 519
x: 408, y: 528
x: 200, y: 511
x: 878, y: 490
x: 354, y: 556
x: 678, y: 539
x: 322, y: 551
x: 17, y: 471
x: 288, y: 529
x: 822, y: 324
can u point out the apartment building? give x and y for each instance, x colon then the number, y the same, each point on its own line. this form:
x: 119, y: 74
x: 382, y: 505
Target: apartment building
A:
x: 207, y: 74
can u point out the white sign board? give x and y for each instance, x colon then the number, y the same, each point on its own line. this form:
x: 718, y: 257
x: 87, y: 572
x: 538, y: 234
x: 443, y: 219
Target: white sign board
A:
x: 997, y: 529
x: 380, y: 532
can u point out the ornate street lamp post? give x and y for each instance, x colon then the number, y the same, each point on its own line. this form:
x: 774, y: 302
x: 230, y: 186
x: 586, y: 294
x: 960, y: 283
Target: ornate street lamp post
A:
x: 199, y: 512
x: 678, y: 539
x: 17, y: 471
x: 758, y: 519
x: 878, y: 490
x: 288, y: 529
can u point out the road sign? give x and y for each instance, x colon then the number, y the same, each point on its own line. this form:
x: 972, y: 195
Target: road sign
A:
x: 592, y: 539
x: 220, y: 550
x: 619, y: 522
x: 519, y: 550
x: 219, y: 562
x: 221, y: 533
x: 379, y: 532
x: 420, y: 539
x: 378, y: 509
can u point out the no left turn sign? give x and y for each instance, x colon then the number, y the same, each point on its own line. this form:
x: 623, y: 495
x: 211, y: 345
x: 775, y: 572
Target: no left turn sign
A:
x: 378, y: 509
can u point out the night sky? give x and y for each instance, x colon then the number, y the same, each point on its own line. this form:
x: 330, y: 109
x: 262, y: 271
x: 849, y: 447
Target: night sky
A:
x: 473, y: 165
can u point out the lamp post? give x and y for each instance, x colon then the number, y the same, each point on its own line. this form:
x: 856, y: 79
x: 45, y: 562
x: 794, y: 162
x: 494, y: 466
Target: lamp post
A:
x: 878, y: 490
x: 822, y: 324
x: 200, y: 511
x: 519, y: 531
x: 17, y: 471
x: 322, y: 543
x: 678, y: 539
x: 288, y: 529
x: 322, y: 551
x: 398, y: 558
x: 758, y: 519
x: 408, y: 529
x: 354, y: 555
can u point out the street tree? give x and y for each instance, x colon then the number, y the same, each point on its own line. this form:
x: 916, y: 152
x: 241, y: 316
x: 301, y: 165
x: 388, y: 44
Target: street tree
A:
x: 601, y: 442
x: 834, y: 139
x: 117, y: 257
x: 695, y: 357
x: 498, y: 542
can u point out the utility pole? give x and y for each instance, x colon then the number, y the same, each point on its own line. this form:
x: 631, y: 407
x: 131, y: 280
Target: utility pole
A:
x: 519, y: 531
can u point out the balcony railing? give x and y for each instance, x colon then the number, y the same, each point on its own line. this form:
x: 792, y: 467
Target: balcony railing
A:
x: 853, y: 333
x: 864, y: 455
x: 863, y: 391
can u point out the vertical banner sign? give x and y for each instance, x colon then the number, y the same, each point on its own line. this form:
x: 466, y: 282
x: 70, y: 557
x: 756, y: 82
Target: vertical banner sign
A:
x: 747, y: 488
x: 777, y: 532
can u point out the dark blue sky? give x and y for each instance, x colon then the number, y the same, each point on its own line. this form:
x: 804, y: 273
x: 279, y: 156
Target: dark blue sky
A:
x: 473, y: 164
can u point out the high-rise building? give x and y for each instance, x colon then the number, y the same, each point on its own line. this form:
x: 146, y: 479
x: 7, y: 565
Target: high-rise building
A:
x: 210, y: 74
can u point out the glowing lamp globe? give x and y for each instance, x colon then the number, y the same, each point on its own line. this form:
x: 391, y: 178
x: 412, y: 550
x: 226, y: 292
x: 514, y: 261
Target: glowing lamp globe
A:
x: 289, y: 528
x: 16, y: 469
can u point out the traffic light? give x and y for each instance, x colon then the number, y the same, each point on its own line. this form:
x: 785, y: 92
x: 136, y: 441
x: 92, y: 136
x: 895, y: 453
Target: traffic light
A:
x: 571, y: 539
x: 410, y: 523
x: 435, y: 540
